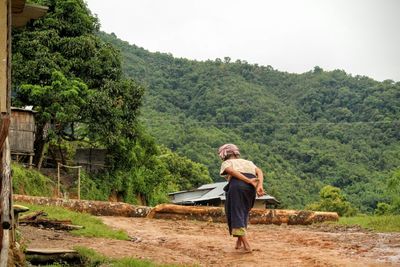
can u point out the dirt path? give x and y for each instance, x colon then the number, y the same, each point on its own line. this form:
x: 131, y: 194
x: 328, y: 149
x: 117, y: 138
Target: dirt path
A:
x: 207, y: 244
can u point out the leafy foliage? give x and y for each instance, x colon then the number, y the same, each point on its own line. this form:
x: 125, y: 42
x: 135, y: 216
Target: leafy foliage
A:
x: 74, y: 81
x: 304, y: 130
x: 59, y: 103
x: 332, y: 199
x: 72, y: 78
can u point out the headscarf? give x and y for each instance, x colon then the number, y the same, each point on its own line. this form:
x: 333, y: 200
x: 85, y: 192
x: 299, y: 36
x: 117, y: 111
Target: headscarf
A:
x: 227, y: 150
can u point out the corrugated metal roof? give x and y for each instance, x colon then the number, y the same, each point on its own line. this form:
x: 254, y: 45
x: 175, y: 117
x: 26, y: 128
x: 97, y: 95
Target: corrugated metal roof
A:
x: 210, y: 191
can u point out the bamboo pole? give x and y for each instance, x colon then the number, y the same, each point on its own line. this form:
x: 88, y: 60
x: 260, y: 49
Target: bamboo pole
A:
x: 58, y: 179
x: 79, y: 183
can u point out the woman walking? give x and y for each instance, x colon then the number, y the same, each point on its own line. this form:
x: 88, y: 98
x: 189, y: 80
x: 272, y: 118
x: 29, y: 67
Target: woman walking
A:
x: 245, y: 181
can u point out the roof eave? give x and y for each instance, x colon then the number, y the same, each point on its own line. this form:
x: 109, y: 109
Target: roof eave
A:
x: 22, y: 13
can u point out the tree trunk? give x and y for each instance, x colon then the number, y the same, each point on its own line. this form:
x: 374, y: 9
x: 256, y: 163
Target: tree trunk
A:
x: 39, y: 144
x: 176, y: 212
x: 48, y: 256
x: 100, y: 208
x: 257, y: 216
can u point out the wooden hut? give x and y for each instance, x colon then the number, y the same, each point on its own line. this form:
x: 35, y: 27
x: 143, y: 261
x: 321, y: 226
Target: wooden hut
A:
x: 92, y: 159
x: 22, y: 133
x: 12, y: 13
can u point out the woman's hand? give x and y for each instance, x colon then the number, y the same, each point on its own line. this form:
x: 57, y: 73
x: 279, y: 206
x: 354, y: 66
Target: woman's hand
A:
x: 233, y: 173
x: 254, y: 182
x: 260, y: 187
x: 260, y: 190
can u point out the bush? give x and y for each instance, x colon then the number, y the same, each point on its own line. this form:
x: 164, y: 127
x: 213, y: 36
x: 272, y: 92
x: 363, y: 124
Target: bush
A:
x: 382, y: 209
x: 332, y: 199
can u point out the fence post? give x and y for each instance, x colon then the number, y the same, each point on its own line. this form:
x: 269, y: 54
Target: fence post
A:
x: 79, y: 183
x: 58, y: 179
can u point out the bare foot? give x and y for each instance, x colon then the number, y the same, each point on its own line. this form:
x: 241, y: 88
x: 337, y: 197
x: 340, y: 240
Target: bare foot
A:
x: 247, y: 251
x: 246, y: 244
x: 238, y: 243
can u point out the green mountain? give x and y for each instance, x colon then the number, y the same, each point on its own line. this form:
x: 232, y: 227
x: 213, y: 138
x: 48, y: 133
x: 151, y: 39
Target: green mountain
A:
x: 304, y: 130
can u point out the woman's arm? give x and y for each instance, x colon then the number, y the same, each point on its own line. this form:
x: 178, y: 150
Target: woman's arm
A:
x: 260, y: 185
x: 238, y: 175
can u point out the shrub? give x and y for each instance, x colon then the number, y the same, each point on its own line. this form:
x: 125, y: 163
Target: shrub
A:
x: 382, y: 208
x: 332, y: 199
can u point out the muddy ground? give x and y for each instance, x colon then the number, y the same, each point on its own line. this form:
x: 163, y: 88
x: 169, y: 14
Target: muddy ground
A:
x: 208, y: 244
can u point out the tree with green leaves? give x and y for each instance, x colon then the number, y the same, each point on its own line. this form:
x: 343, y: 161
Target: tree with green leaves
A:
x: 60, y: 53
x: 332, y: 199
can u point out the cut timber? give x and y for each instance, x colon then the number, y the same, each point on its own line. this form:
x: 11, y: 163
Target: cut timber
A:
x: 170, y: 211
x: 32, y: 216
x: 200, y: 213
x: 51, y: 224
x: 47, y: 256
x: 99, y: 208
x: 257, y: 216
x: 34, y: 220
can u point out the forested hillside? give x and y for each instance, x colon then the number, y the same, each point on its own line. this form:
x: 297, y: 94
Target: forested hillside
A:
x: 304, y: 130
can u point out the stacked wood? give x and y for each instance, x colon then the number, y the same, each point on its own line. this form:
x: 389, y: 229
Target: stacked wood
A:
x: 35, y: 219
x: 98, y: 208
x: 257, y: 216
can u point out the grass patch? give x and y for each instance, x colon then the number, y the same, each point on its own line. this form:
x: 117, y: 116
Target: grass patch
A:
x: 31, y: 182
x: 388, y: 223
x: 93, y: 227
x: 92, y: 259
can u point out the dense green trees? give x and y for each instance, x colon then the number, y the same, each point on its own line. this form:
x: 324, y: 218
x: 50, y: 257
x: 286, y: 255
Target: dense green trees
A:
x: 393, y: 193
x: 305, y: 131
x: 74, y: 81
x: 63, y: 43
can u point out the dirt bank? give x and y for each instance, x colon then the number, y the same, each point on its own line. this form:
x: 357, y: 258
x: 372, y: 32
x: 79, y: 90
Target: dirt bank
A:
x: 207, y: 244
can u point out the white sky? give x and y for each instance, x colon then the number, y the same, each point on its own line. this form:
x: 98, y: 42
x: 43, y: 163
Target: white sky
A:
x: 358, y: 36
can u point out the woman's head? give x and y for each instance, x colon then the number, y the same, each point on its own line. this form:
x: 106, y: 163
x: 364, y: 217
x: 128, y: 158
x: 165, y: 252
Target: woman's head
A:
x: 228, y: 150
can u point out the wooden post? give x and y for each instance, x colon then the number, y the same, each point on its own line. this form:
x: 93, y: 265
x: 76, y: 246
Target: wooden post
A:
x: 6, y: 187
x: 5, y: 82
x: 30, y: 161
x: 58, y: 179
x: 4, y: 251
x: 4, y: 50
x: 79, y: 183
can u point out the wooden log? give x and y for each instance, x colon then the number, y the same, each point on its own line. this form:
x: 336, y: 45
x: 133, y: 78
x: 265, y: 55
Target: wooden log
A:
x: 34, y: 220
x: 48, y: 256
x: 170, y: 211
x: 51, y: 224
x: 32, y: 216
x: 98, y: 208
x: 187, y: 210
x: 257, y: 216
